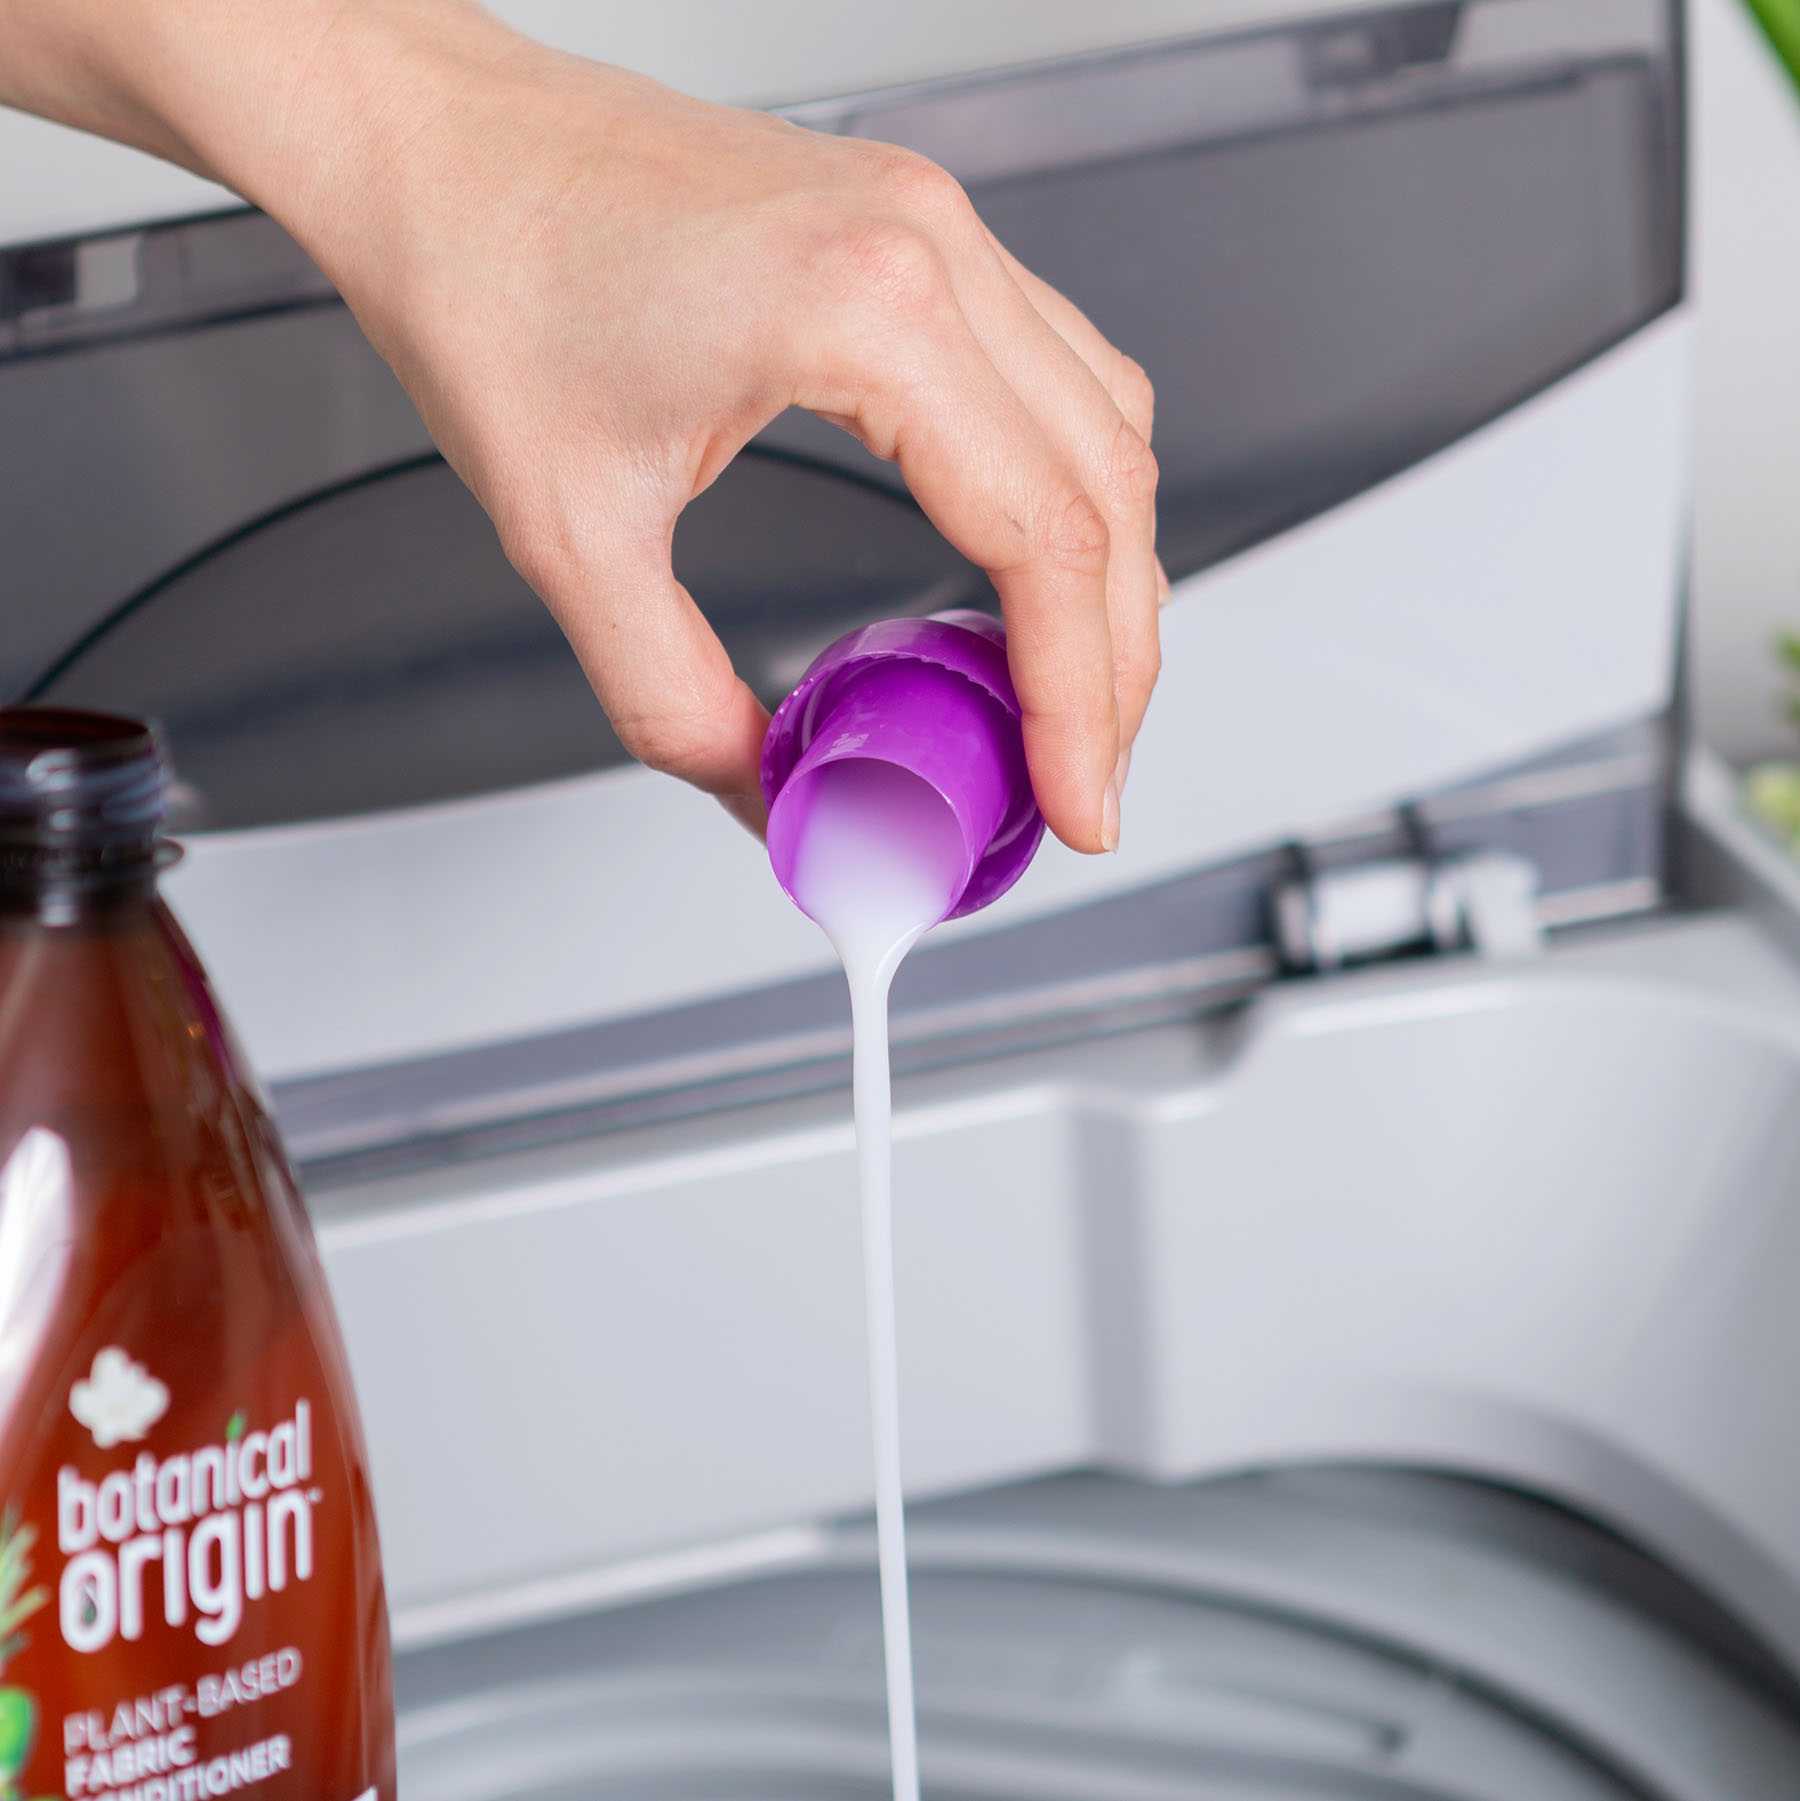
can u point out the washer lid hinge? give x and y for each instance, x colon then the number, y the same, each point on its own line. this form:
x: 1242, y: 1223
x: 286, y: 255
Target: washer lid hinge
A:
x: 1482, y: 900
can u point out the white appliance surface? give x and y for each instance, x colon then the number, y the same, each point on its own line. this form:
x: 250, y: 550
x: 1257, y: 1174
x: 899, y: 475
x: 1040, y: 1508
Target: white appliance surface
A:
x: 797, y: 50
x: 1513, y: 592
x: 1528, y: 1220
x: 1393, y: 1635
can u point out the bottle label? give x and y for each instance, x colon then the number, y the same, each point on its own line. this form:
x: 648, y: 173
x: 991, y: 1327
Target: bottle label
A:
x: 212, y: 1528
x: 190, y: 1604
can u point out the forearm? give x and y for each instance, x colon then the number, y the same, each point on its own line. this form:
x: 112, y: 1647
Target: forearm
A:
x: 283, y: 101
x: 597, y: 290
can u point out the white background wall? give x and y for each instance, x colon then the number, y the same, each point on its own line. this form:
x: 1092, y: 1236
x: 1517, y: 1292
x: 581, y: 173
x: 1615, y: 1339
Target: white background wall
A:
x: 1746, y: 269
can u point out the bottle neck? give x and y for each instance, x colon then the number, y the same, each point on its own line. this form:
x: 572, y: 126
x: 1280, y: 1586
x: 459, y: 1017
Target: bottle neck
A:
x: 53, y: 893
x: 82, y: 798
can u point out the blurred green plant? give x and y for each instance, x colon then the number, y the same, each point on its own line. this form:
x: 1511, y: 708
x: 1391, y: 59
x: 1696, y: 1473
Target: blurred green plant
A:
x: 1773, y: 789
x: 1780, y: 22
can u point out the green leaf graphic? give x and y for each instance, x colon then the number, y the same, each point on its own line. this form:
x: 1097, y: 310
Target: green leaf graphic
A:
x: 18, y: 1730
x: 234, y: 1427
x: 17, y: 1602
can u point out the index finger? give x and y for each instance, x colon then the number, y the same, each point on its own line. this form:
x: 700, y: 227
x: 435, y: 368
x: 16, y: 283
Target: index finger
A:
x: 988, y: 477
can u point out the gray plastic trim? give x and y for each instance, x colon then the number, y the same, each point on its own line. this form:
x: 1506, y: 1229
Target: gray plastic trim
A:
x: 1589, y: 819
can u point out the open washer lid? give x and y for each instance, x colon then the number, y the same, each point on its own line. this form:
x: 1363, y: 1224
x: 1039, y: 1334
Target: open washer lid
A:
x: 369, y: 647
x: 1332, y: 1636
x: 1408, y: 282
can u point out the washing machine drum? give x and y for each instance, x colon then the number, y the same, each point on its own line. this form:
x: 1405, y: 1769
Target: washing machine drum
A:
x: 1332, y: 1636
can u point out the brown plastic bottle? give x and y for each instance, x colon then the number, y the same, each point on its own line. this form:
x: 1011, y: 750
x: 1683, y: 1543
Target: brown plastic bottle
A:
x: 190, y: 1588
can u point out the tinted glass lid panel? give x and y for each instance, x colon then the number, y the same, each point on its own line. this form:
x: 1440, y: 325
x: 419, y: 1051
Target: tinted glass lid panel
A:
x: 373, y: 648
x: 1336, y: 248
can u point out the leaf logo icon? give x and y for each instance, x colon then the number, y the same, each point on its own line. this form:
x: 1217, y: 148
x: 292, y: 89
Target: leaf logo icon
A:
x: 119, y: 1400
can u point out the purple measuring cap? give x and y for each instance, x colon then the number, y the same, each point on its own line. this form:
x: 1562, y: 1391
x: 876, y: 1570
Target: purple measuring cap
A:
x: 930, y: 696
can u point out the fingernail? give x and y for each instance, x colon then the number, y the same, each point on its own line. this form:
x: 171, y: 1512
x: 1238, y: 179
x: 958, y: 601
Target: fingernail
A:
x: 1109, y: 817
x: 1122, y: 773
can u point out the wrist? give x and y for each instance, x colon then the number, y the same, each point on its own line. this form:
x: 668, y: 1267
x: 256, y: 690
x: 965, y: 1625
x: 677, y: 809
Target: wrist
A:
x: 262, y: 97
x: 353, y: 85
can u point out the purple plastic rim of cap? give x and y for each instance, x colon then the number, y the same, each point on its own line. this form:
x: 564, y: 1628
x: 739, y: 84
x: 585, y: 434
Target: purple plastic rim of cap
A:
x: 967, y: 644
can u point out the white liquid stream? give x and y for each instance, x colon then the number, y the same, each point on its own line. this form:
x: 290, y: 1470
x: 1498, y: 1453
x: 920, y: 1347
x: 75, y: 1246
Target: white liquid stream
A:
x: 879, y: 862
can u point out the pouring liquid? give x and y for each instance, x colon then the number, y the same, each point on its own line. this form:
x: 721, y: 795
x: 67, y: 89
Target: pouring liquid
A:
x: 879, y: 866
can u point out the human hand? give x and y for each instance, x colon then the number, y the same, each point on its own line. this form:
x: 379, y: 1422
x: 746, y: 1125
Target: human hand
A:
x: 597, y: 290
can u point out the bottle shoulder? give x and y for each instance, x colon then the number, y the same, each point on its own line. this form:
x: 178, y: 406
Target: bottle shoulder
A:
x: 139, y: 1170
x: 111, y: 1039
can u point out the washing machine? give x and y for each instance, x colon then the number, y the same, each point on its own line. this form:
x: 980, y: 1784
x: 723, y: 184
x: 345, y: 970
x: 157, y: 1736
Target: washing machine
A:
x: 1345, y: 1241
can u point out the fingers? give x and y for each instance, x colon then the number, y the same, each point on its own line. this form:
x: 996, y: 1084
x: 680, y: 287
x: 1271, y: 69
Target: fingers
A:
x: 1094, y: 405
x: 1131, y: 391
x: 662, y: 675
x: 990, y: 479
x: 1123, y: 379
x: 1112, y: 455
x: 1021, y: 432
x: 913, y: 382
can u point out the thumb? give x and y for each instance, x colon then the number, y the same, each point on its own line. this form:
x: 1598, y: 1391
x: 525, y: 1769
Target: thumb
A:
x: 666, y: 682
